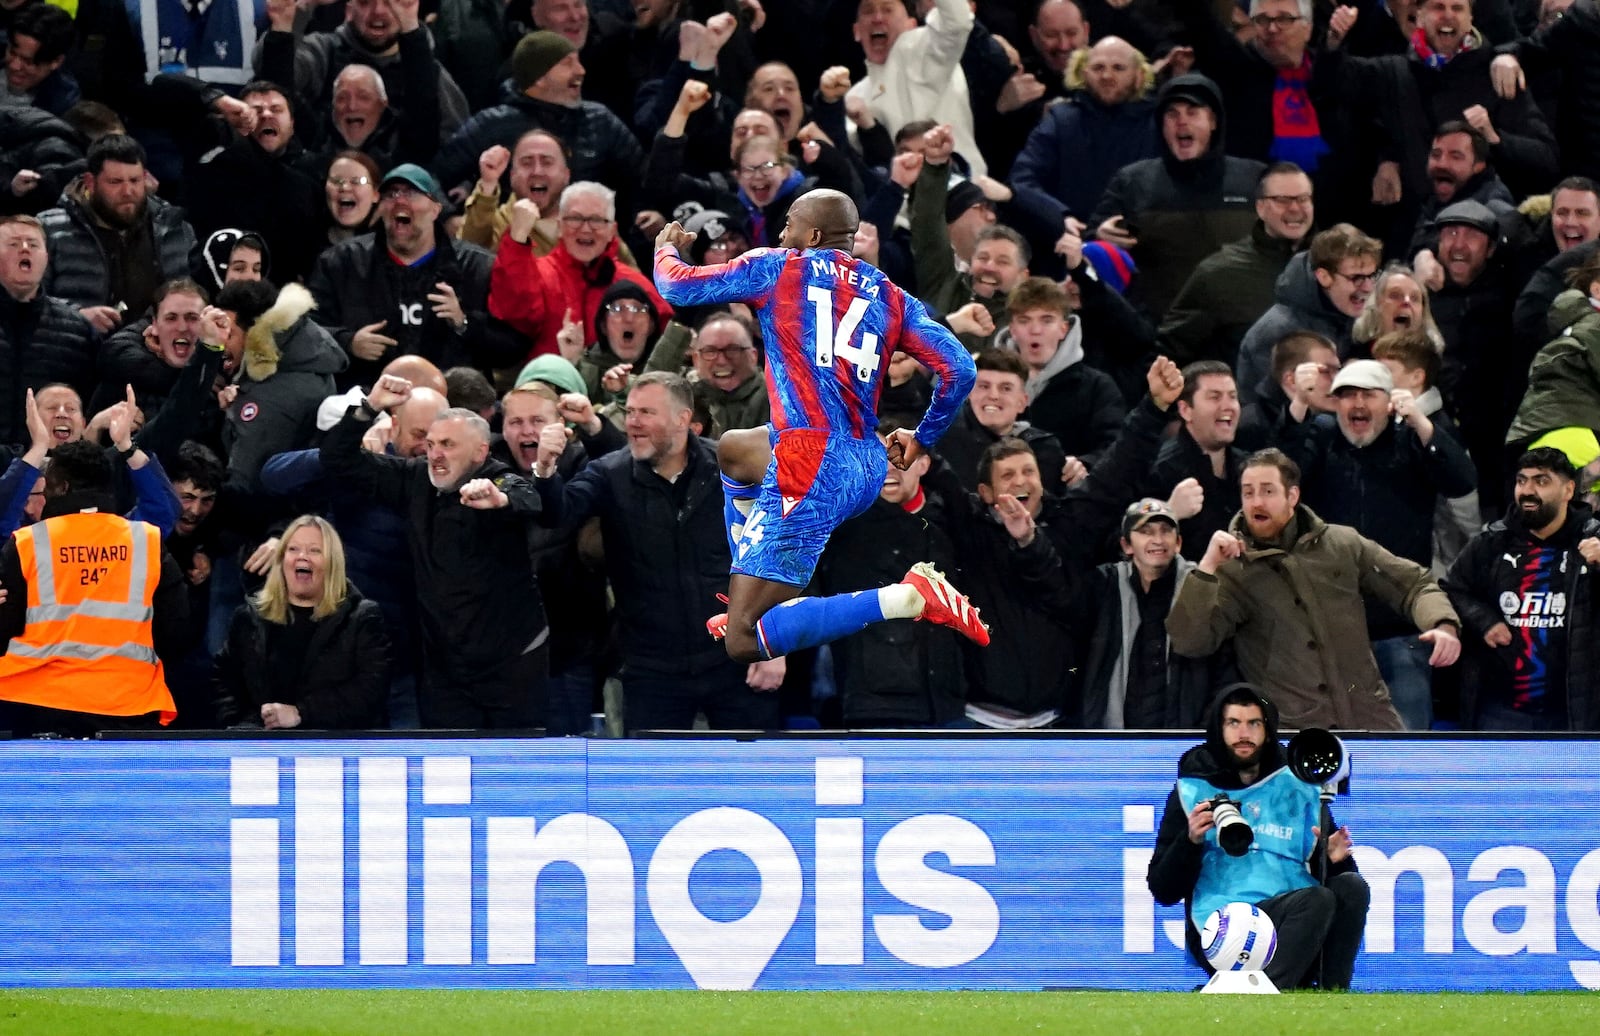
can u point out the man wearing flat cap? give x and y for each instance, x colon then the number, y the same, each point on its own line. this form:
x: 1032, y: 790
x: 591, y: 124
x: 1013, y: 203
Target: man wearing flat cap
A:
x: 1132, y: 680
x: 548, y: 78
x: 409, y: 288
x: 1484, y: 372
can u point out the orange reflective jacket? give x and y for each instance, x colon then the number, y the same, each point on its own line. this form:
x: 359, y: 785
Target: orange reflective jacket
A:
x: 88, y: 646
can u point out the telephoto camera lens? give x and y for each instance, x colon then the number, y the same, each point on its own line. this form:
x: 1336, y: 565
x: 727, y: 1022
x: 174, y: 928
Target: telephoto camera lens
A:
x: 1233, y: 831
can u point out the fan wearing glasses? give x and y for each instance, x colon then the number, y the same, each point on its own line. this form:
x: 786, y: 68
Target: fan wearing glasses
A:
x: 1279, y: 108
x: 409, y: 289
x: 541, y: 295
x: 1323, y: 289
x: 629, y: 330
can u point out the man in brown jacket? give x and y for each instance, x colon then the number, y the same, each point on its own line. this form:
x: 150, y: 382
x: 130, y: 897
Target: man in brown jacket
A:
x: 1288, y: 588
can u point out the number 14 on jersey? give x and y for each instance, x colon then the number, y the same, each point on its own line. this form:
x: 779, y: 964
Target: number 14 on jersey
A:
x: 837, y: 341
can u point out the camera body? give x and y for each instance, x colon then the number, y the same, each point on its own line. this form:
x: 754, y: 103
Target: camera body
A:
x: 1234, y: 833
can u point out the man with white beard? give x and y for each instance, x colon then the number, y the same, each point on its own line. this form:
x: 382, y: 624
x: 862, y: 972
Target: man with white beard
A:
x: 1378, y: 466
x: 485, y: 665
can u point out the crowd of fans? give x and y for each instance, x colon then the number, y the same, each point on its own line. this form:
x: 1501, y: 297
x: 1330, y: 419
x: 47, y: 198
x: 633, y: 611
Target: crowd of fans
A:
x: 1366, y: 233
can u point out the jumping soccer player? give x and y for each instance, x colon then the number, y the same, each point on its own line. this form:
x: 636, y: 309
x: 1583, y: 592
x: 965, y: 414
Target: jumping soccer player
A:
x: 831, y: 322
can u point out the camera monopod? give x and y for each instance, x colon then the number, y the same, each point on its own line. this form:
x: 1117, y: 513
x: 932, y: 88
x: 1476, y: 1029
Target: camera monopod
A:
x: 1317, y: 757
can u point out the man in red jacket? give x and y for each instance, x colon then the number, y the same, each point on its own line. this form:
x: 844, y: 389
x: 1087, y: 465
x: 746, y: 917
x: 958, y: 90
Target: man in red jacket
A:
x: 536, y: 294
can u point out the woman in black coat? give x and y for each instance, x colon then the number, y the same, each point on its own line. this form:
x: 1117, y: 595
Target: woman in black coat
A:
x: 308, y: 650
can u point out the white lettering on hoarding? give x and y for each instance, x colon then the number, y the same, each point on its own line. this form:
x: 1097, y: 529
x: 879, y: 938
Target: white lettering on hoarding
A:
x: 719, y: 954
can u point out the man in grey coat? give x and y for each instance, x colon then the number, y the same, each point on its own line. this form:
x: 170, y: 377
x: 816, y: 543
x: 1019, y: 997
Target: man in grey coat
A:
x: 1288, y: 589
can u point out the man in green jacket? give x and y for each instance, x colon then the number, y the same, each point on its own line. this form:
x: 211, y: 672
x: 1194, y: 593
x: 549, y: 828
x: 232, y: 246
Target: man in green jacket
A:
x: 1289, y: 588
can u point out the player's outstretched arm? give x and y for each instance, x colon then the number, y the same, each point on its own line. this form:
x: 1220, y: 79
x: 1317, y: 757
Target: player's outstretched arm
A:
x: 748, y: 278
x: 933, y: 346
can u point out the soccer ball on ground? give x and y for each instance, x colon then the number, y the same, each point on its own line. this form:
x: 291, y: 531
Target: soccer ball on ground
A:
x: 1239, y: 937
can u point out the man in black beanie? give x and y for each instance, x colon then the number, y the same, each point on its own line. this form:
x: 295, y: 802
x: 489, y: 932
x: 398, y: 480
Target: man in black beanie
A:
x: 548, y: 77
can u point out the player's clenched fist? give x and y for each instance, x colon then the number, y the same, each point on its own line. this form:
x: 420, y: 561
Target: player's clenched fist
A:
x: 904, y: 449
x: 674, y: 236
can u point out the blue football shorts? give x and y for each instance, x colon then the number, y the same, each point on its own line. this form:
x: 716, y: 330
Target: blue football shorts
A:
x: 815, y: 481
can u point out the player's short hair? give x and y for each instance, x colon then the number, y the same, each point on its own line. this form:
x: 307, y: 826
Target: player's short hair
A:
x: 1002, y: 361
x: 888, y: 424
x: 1038, y: 293
x: 1548, y: 458
x: 196, y: 464
x: 676, y: 385
x: 1010, y: 446
x: 1201, y: 369
x: 1340, y: 242
x: 1275, y: 458
x: 1480, y: 144
x: 1296, y: 348
x: 590, y: 189
x: 467, y: 387
x: 1411, y: 349
x: 1000, y: 232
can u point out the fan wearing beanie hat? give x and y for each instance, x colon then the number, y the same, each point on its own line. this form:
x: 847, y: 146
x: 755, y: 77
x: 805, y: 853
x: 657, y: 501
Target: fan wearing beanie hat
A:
x: 548, y: 91
x: 719, y: 238
x: 627, y: 329
x: 537, y: 54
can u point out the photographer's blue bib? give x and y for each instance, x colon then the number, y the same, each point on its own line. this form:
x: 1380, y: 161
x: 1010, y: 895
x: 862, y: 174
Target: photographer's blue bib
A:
x: 1281, y: 810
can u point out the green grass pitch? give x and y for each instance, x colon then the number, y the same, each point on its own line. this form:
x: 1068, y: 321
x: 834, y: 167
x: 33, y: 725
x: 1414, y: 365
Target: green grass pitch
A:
x: 214, y: 1012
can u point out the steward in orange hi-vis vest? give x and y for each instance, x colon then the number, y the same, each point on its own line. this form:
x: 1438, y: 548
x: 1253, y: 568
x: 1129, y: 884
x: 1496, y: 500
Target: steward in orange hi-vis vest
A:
x: 88, y: 645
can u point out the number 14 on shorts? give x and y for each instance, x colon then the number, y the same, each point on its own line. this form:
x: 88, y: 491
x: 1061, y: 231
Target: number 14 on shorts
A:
x: 836, y: 341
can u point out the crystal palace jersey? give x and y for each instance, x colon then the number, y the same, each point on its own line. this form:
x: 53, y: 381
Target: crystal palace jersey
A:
x: 830, y: 323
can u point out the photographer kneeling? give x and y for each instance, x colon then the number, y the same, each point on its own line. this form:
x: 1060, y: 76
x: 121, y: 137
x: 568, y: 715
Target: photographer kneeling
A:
x: 1277, y: 869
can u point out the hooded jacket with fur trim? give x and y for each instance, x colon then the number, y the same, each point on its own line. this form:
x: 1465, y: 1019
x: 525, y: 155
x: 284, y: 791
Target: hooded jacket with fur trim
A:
x: 288, y: 368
